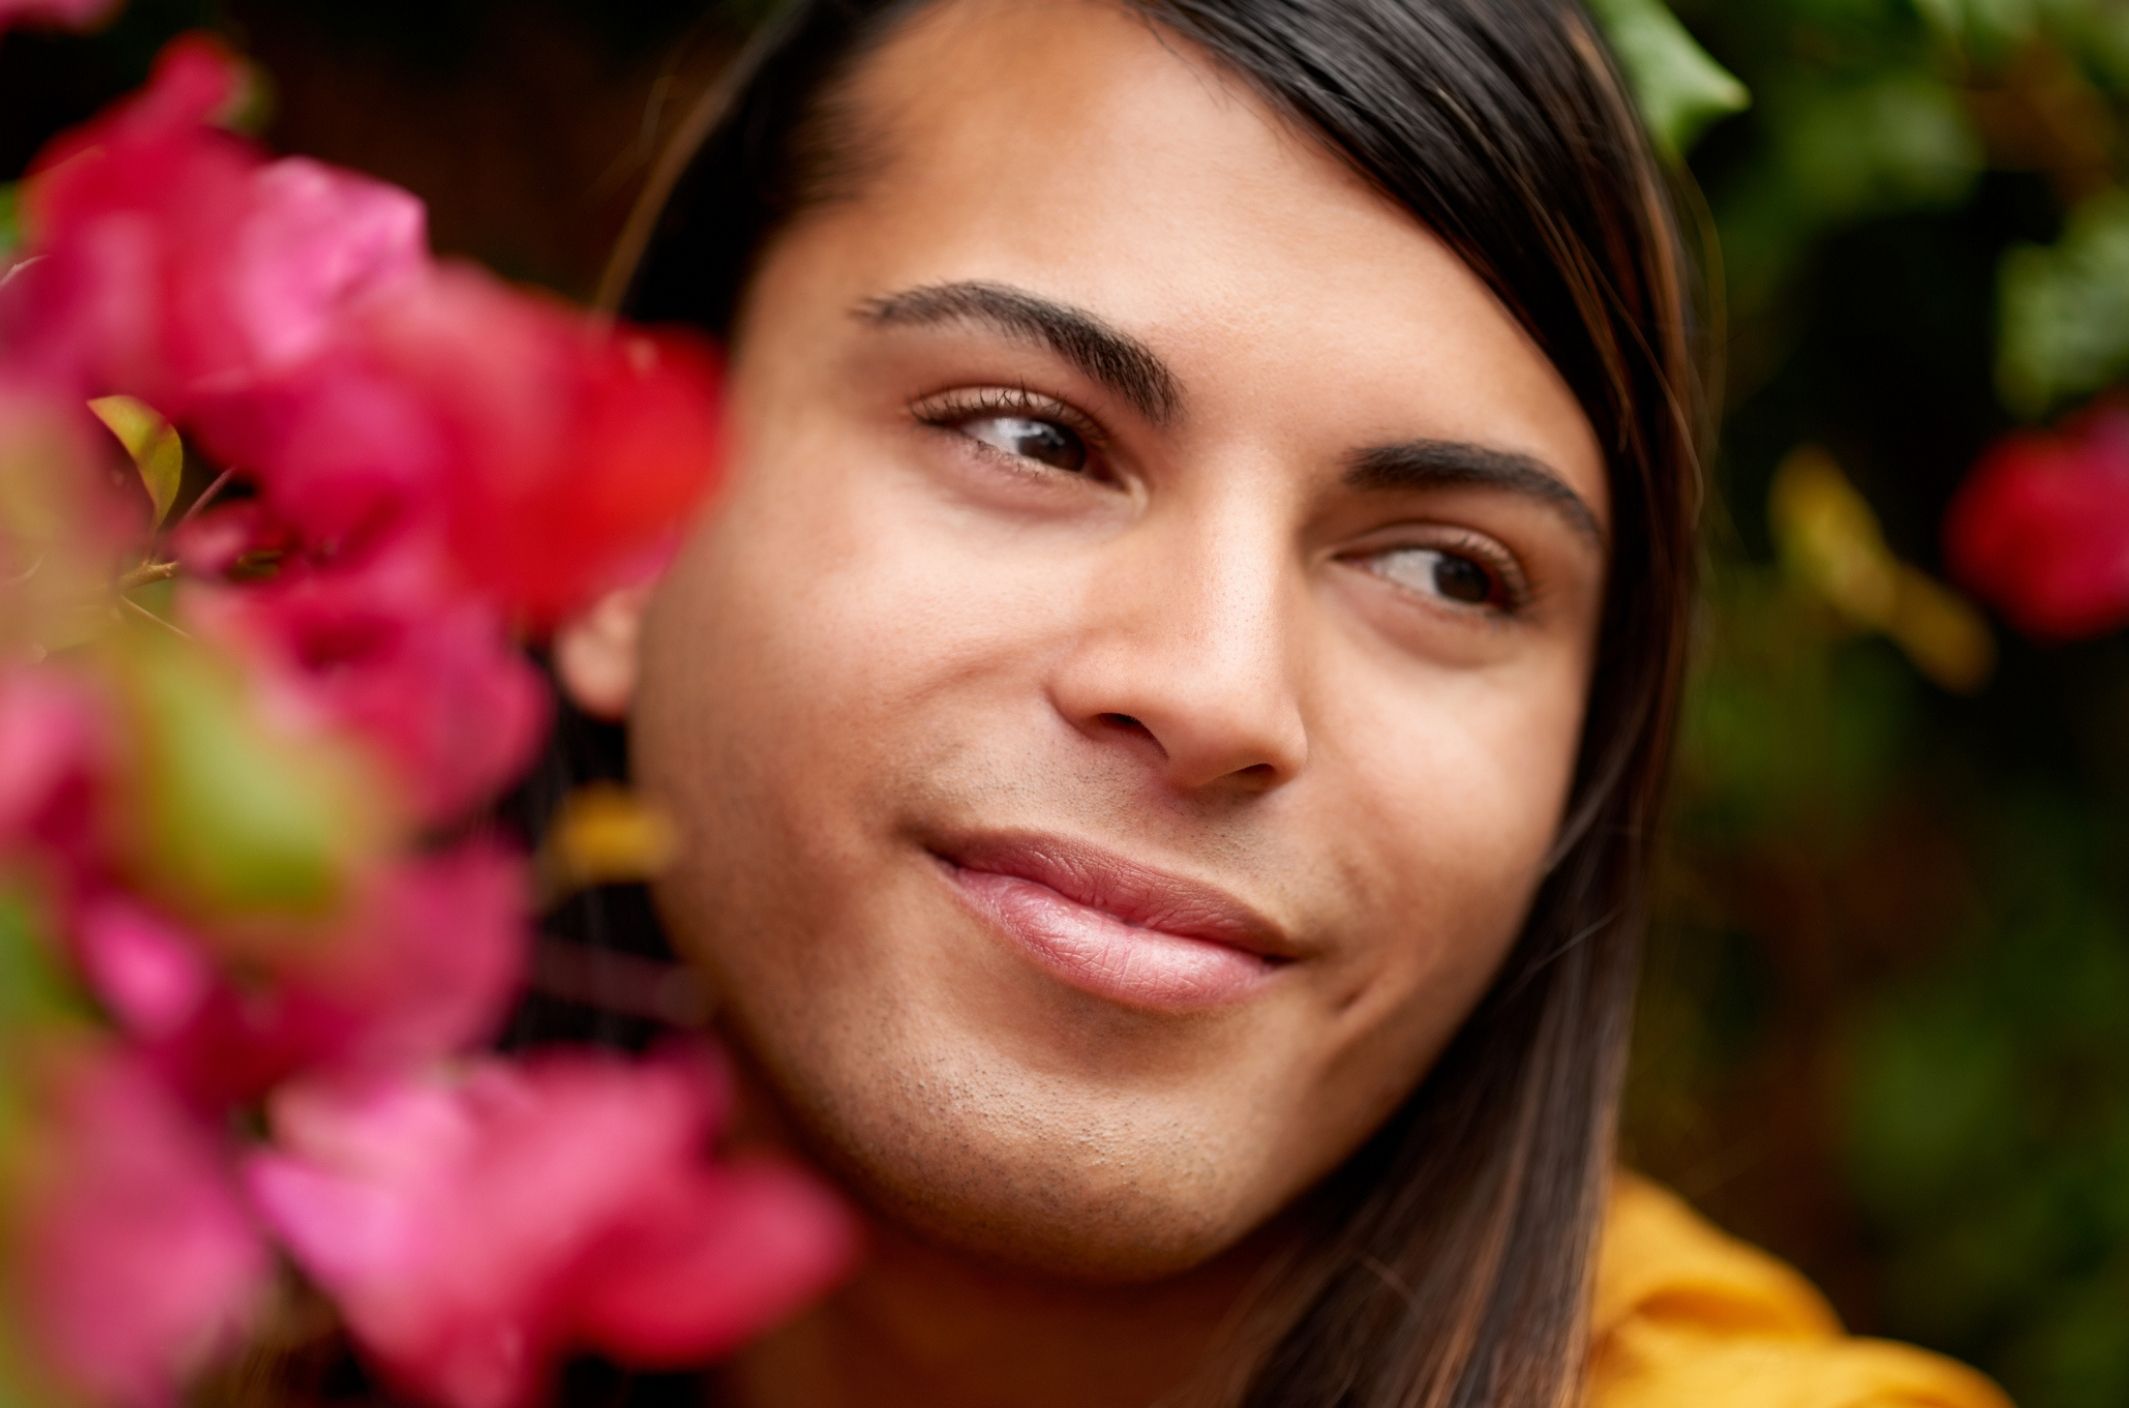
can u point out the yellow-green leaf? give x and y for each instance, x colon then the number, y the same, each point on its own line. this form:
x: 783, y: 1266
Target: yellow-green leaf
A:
x: 1832, y: 545
x: 235, y: 814
x: 153, y: 445
x: 604, y: 835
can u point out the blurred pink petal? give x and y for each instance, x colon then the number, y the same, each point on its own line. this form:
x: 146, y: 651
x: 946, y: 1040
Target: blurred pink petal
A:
x: 471, y: 1232
x: 171, y: 258
x: 137, y: 1260
x: 661, y: 1288
x: 426, y: 964
x: 555, y: 455
x: 73, y: 14
x: 54, y: 747
x: 212, y: 542
x: 388, y: 650
x: 153, y: 977
x: 2040, y: 529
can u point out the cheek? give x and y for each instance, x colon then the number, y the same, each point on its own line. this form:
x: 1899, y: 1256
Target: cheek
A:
x: 1447, y: 814
x: 809, y: 667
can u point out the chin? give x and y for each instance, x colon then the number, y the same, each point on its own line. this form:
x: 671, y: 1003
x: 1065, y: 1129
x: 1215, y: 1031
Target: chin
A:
x: 1000, y: 1166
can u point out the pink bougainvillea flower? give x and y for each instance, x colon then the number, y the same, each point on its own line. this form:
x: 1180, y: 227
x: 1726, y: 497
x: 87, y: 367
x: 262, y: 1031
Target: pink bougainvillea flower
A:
x: 54, y: 743
x: 2040, y: 529
x: 427, y: 962
x: 552, y: 454
x: 171, y: 258
x: 73, y: 14
x: 473, y: 1228
x: 430, y: 677
x: 131, y: 1254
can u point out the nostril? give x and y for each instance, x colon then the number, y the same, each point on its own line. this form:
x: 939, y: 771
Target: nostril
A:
x: 1125, y: 721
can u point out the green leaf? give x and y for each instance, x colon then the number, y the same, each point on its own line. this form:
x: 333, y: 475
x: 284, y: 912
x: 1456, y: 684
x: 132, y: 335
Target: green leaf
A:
x: 1984, y: 29
x: 1680, y: 88
x: 154, y: 446
x: 1897, y: 141
x: 33, y: 990
x: 2064, y: 310
x: 10, y: 218
x: 234, y: 815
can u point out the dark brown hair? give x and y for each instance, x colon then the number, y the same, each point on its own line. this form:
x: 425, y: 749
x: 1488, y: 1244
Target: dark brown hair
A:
x: 1455, y: 1249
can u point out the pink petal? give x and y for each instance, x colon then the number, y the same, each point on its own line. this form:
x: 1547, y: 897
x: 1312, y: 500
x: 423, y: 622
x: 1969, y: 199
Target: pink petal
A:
x: 315, y: 241
x: 561, y: 1201
x: 151, y: 975
x: 716, y: 1259
x: 53, y: 747
x: 173, y: 260
x: 426, y: 964
x: 2040, y: 529
x: 140, y: 1261
x: 389, y: 650
x: 75, y: 14
x: 553, y: 455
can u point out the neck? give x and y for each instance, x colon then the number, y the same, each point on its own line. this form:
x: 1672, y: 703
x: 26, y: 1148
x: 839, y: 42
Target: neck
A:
x: 922, y: 1325
x: 919, y: 1325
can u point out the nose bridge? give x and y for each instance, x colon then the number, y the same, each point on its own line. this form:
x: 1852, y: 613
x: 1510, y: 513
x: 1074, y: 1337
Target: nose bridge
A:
x: 1190, y: 641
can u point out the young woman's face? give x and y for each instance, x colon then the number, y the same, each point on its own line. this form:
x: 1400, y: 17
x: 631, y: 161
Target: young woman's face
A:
x: 1120, y: 489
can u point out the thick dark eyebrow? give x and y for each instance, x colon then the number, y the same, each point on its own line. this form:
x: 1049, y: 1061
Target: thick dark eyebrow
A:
x: 1447, y: 464
x: 1115, y: 359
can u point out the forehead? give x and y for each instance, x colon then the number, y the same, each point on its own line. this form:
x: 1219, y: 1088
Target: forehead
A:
x: 1075, y: 148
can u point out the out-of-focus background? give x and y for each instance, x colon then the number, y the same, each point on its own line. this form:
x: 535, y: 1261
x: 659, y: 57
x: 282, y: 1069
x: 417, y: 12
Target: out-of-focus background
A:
x: 1885, y: 1030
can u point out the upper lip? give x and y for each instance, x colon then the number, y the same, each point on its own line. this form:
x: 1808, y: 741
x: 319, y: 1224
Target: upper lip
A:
x: 1137, y: 894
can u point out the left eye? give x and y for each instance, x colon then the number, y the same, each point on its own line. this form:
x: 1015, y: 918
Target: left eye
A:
x: 1026, y: 437
x: 1463, y: 577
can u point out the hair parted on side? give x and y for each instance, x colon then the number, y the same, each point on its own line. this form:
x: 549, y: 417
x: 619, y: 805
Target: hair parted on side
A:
x: 1454, y: 1251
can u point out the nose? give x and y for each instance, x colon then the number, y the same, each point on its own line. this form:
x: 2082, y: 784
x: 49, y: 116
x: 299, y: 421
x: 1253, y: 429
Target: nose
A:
x: 1185, y: 652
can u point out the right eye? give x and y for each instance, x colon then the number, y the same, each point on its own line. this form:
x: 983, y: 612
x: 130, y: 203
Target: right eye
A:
x: 1025, y: 437
x: 1016, y: 426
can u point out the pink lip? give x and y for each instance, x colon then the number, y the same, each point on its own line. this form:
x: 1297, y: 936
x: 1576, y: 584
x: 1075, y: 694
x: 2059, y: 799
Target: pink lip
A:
x: 1115, y: 928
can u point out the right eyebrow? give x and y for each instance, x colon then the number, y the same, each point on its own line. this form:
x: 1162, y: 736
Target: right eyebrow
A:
x: 1105, y: 354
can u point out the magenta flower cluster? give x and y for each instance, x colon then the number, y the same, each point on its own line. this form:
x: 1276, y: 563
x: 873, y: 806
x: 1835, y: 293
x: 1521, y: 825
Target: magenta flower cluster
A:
x: 262, y: 671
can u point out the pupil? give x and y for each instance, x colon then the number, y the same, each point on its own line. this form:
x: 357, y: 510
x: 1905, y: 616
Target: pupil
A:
x: 1461, y: 579
x: 1040, y: 440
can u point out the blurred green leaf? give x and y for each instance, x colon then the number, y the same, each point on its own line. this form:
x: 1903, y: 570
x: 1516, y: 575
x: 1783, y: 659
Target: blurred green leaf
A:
x: 1893, y: 141
x: 2065, y: 310
x: 2073, y: 1350
x: 33, y: 990
x: 10, y: 218
x: 152, y: 444
x: 235, y: 816
x: 1983, y: 27
x: 1935, y: 1090
x: 1680, y: 88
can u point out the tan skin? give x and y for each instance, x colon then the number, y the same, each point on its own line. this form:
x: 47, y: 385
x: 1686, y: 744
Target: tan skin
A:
x: 953, y: 579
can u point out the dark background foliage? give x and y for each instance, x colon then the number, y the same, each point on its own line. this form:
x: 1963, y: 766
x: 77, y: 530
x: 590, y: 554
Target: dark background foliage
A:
x: 1885, y: 1029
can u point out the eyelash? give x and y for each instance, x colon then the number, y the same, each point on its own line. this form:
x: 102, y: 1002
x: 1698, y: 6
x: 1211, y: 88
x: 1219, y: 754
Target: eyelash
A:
x: 950, y: 411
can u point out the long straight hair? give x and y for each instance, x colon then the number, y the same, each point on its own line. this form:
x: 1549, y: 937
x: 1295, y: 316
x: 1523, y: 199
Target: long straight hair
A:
x: 1452, y: 1254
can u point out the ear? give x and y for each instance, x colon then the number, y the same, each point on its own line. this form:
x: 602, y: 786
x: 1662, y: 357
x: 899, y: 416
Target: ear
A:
x: 595, y: 653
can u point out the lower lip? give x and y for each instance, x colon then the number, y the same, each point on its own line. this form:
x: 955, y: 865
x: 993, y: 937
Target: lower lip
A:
x: 1099, y: 953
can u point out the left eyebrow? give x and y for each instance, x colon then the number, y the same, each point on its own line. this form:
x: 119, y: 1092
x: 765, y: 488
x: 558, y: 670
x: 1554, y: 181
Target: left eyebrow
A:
x: 1453, y: 464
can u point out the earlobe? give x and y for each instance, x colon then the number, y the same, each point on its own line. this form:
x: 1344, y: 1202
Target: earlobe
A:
x: 595, y: 653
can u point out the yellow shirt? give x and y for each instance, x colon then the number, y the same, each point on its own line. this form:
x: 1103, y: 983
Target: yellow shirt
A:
x: 1689, y: 1317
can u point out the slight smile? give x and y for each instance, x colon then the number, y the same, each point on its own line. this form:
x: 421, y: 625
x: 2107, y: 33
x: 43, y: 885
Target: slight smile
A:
x: 1140, y: 937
